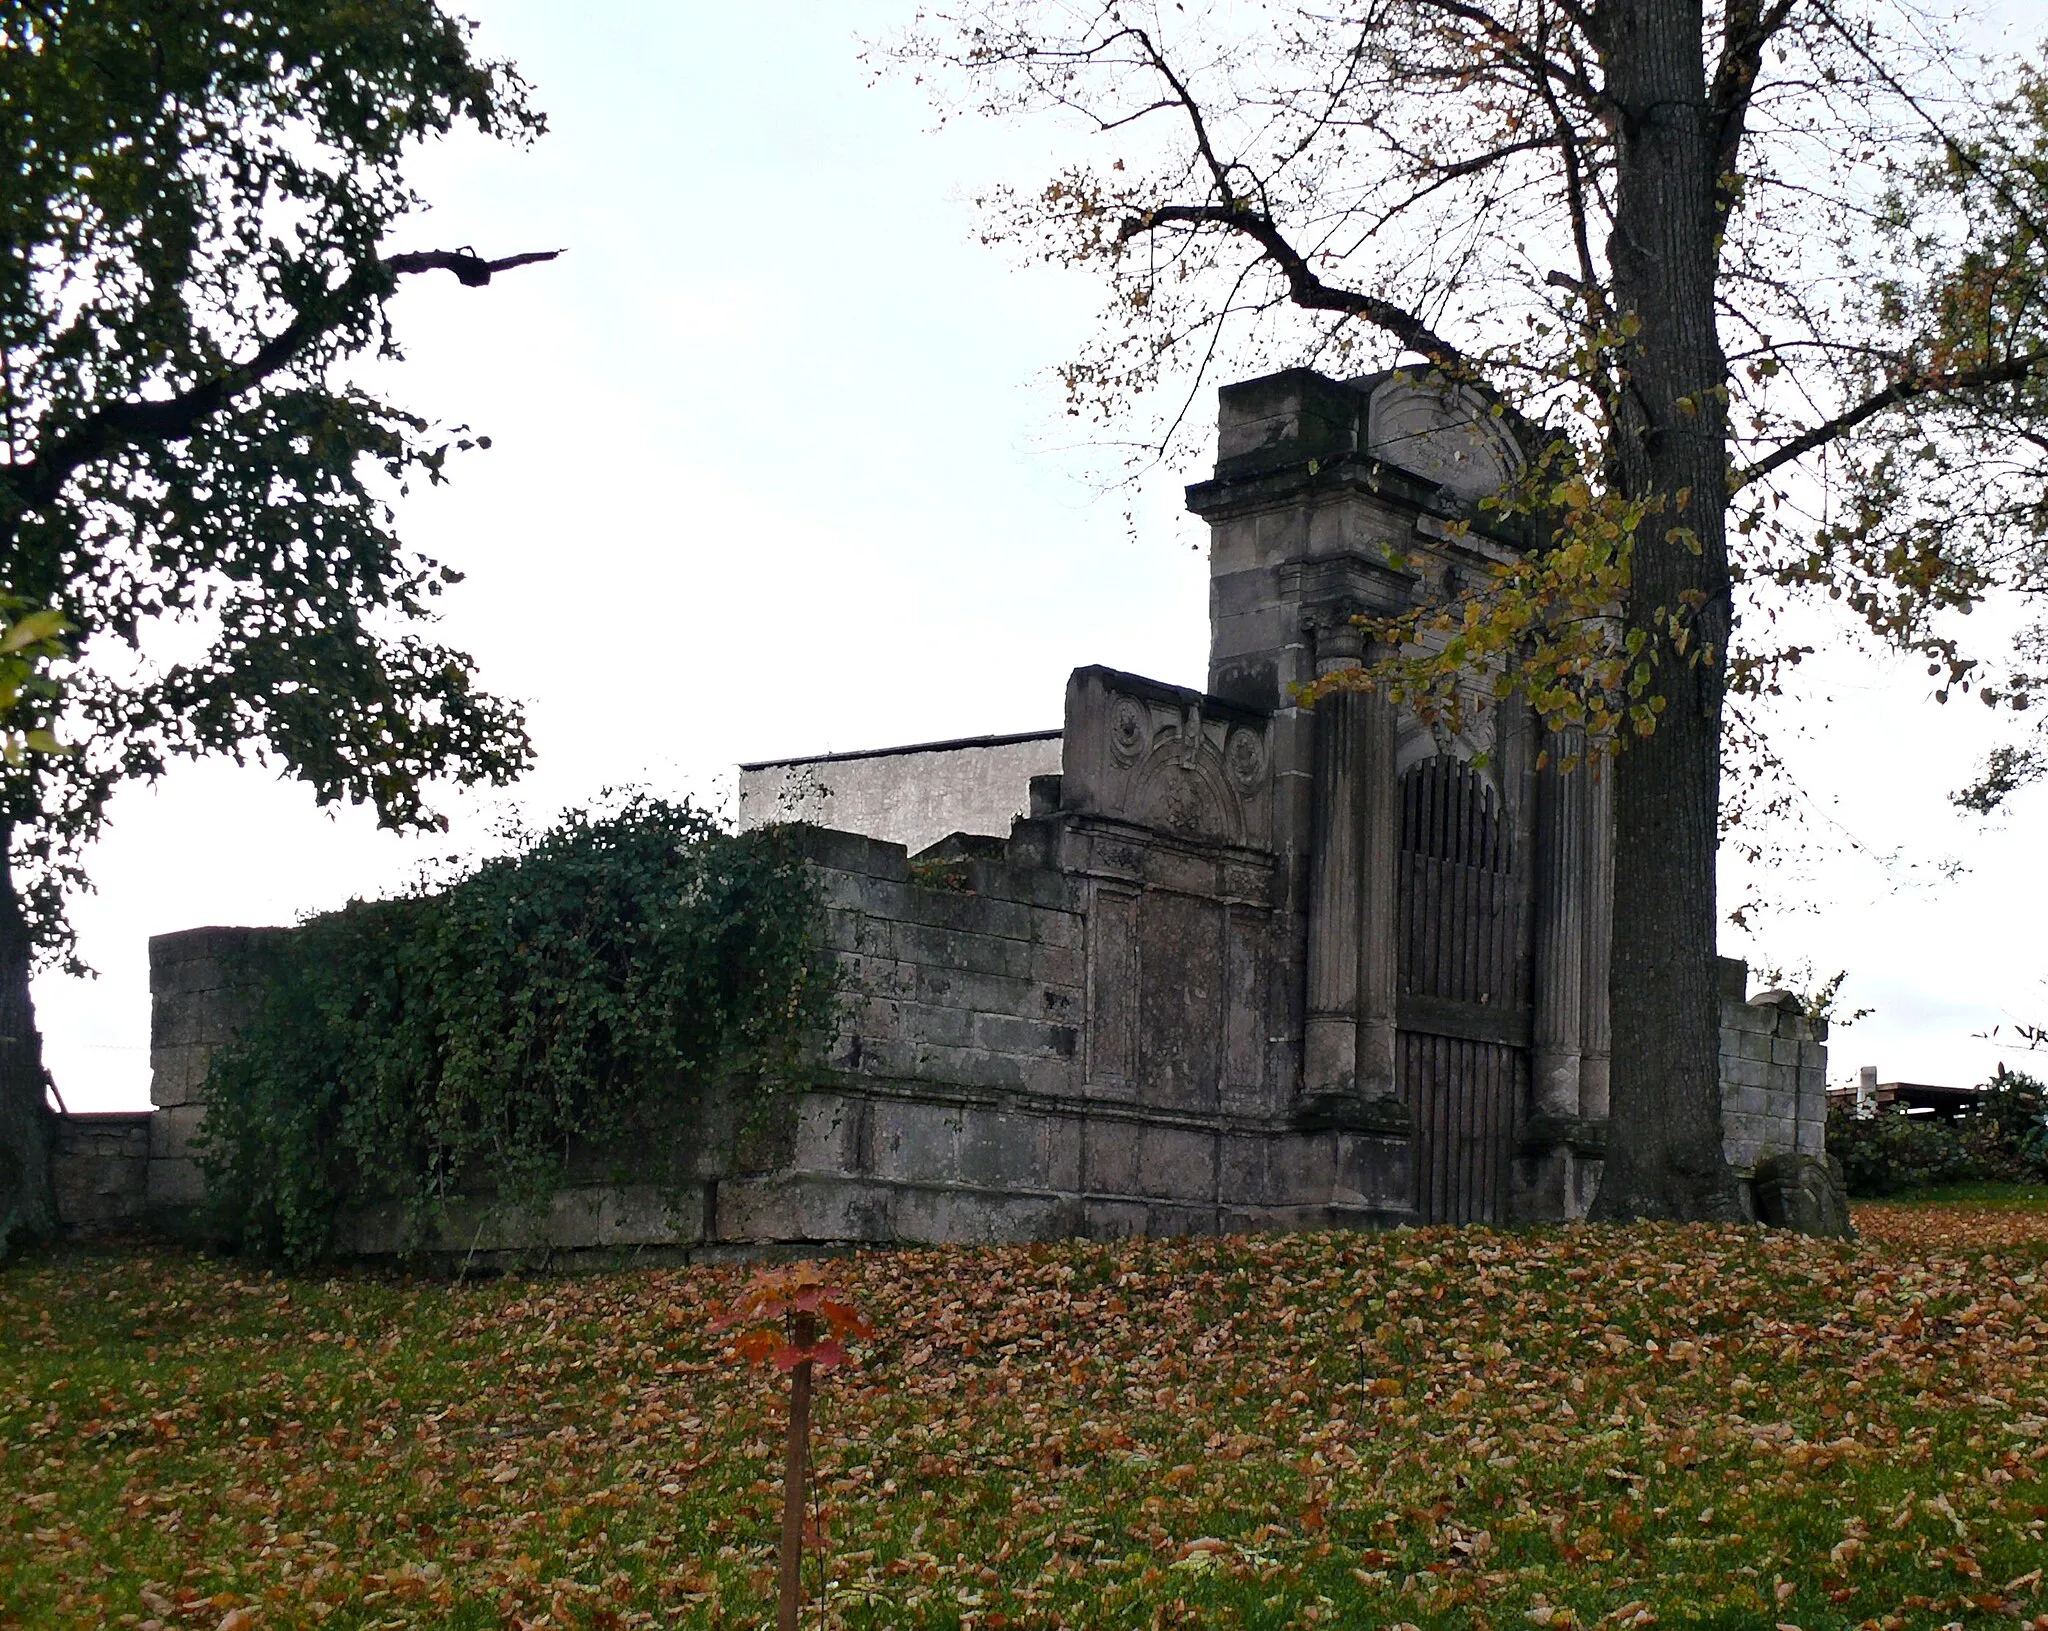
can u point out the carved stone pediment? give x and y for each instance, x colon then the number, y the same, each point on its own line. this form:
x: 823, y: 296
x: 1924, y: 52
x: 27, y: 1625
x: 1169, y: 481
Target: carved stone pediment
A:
x: 1445, y: 433
x: 1182, y: 764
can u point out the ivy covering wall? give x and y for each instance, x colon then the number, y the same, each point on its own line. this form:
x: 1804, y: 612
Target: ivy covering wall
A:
x: 410, y: 1048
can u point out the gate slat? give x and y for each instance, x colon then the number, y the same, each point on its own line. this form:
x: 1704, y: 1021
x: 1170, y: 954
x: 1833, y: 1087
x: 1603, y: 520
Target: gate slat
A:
x: 1459, y: 937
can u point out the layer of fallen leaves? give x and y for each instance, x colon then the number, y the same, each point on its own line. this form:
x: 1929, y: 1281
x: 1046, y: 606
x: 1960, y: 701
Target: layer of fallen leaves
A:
x: 1452, y: 1428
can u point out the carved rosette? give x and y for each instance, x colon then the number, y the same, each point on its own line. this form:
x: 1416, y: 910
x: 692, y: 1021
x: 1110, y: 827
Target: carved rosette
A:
x: 1176, y: 762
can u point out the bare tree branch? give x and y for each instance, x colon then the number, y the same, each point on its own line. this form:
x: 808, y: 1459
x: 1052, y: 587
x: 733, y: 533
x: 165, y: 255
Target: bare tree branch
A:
x: 1748, y: 28
x: 169, y: 419
x: 1305, y: 289
x: 1905, y: 390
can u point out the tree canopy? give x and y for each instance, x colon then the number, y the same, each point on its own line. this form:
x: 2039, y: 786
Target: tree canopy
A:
x: 195, y: 203
x: 1760, y: 284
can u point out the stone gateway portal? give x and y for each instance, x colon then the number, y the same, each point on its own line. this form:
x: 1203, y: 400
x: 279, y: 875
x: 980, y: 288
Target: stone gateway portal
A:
x: 1198, y: 960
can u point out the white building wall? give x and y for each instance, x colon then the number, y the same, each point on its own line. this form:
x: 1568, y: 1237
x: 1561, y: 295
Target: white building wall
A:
x: 912, y: 796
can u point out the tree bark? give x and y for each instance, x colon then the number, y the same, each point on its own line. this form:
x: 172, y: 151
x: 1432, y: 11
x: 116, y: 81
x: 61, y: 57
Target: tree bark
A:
x: 28, y: 1202
x: 1664, y: 1153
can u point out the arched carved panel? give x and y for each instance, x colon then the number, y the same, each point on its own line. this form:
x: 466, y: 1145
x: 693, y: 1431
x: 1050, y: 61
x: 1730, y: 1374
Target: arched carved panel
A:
x: 1175, y: 762
x: 1445, y: 433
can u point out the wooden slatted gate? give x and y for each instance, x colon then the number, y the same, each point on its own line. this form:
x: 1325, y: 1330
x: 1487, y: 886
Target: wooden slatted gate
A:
x: 1463, y: 1008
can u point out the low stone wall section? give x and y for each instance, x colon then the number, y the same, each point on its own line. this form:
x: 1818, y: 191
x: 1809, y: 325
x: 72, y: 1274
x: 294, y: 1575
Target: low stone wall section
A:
x: 100, y: 1168
x: 201, y: 986
x: 966, y: 972
x: 1774, y: 1063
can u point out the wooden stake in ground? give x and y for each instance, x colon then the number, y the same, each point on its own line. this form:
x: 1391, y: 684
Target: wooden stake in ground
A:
x: 779, y: 1313
x: 804, y: 1333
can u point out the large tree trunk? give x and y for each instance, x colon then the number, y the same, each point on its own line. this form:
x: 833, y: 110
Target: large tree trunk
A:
x: 1664, y: 1157
x: 28, y: 1204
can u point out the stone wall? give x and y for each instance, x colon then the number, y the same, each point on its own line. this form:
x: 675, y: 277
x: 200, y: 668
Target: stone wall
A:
x: 968, y: 1100
x: 100, y: 1168
x: 200, y: 988
x: 1774, y: 1062
x: 964, y: 1096
x: 1236, y: 962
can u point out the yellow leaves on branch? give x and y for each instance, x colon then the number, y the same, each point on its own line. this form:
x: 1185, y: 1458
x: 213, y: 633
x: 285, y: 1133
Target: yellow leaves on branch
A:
x: 1546, y: 625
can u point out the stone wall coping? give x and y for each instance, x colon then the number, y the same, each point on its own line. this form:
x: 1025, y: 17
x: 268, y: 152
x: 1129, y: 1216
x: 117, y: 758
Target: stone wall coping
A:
x: 850, y: 851
x: 953, y: 745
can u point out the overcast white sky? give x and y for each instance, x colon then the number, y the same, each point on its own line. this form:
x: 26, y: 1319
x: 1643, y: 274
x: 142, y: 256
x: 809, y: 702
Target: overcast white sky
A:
x: 780, y: 467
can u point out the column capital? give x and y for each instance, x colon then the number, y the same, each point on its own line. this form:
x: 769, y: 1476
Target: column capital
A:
x: 1338, y: 638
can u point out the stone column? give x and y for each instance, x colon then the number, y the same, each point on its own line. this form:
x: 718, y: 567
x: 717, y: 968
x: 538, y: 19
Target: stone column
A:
x: 1562, y: 913
x: 1348, y: 1036
x: 1336, y: 883
x: 1595, y: 1032
x: 1379, y: 903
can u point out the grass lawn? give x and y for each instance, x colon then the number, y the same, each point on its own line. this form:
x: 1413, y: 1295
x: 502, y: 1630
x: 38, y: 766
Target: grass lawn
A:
x: 2029, y: 1197
x: 1562, y: 1428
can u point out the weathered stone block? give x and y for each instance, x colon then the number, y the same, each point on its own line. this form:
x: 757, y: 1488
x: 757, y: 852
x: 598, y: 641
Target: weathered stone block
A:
x: 1755, y: 1045
x: 1302, y: 1169
x: 177, y: 1075
x: 889, y: 898
x: 646, y: 1215
x: 175, y: 1182
x: 945, y: 1027
x: 984, y: 993
x: 852, y: 852
x: 805, y: 1207
x: 1372, y: 1172
x: 1002, y: 1151
x: 172, y: 1130
x: 848, y: 930
x: 828, y: 1133
x: 1741, y: 1017
x: 1109, y: 1157
x: 1241, y: 1171
x: 572, y: 1219
x: 1813, y: 1056
x: 1000, y: 878
x: 1178, y: 1162
x: 1057, y: 966
x: 1065, y: 929
x: 1049, y: 1076
x: 205, y: 1019
x: 964, y: 913
x: 1786, y: 1050
x: 916, y: 1142
x: 1006, y: 1033
x: 1732, y: 974
x: 1743, y: 1099
x: 1104, y: 1219
x: 969, y: 1067
x: 1744, y: 1072
x: 841, y: 888
x: 954, y: 949
x: 876, y: 976
x: 1063, y: 1153
x: 1802, y: 1193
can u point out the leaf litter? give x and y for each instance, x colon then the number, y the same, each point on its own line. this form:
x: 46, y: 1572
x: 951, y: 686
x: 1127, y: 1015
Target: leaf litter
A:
x: 1566, y: 1428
